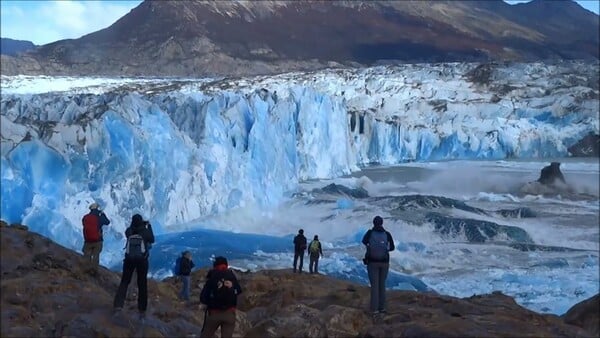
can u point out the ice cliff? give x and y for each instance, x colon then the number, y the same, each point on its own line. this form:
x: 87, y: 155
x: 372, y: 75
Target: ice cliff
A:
x: 180, y: 149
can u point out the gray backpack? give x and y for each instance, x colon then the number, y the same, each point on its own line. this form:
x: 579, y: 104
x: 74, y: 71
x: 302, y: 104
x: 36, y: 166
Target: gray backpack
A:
x: 378, y: 246
x: 135, y: 247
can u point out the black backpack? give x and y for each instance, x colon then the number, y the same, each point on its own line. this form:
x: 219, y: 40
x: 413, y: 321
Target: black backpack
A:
x: 378, y: 246
x: 215, y: 295
x: 135, y: 247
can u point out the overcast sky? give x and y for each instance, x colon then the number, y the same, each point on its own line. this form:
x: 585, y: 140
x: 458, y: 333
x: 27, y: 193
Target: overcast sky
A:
x: 47, y: 21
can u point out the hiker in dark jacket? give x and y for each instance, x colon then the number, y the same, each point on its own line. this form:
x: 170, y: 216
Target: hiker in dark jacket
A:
x: 92, y: 234
x: 219, y: 294
x: 136, y: 259
x: 185, y: 270
x: 314, y: 251
x: 299, y: 247
x: 379, y: 243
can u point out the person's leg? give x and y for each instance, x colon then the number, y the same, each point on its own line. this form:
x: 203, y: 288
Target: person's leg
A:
x: 87, y: 252
x: 211, y: 324
x: 295, y: 259
x: 301, y: 253
x: 383, y: 272
x: 374, y: 282
x: 316, y: 269
x: 227, y: 324
x: 128, y: 268
x: 186, y: 288
x: 97, y: 251
x: 311, y: 263
x: 142, y: 283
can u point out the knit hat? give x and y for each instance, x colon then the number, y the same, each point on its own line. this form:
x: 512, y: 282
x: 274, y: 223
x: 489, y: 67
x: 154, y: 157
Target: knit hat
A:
x: 316, y: 237
x: 94, y: 206
x: 301, y: 231
x: 377, y: 221
x: 220, y: 261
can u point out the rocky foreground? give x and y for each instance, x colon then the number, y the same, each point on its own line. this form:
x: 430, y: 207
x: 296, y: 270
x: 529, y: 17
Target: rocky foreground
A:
x: 48, y: 292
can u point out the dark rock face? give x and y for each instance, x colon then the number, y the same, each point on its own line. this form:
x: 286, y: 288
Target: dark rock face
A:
x: 46, y: 292
x: 586, y: 314
x: 199, y: 38
x: 589, y: 146
x: 551, y: 174
x: 338, y: 189
x: 15, y: 47
x: 476, y: 231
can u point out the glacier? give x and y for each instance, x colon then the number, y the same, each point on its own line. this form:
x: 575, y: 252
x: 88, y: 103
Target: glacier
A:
x: 179, y: 150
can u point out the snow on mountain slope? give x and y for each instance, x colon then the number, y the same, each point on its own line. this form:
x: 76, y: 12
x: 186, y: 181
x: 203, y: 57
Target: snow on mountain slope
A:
x: 179, y: 149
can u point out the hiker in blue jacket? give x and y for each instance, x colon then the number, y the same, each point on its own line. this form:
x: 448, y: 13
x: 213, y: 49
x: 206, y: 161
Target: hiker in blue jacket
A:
x: 379, y: 243
x: 185, y: 270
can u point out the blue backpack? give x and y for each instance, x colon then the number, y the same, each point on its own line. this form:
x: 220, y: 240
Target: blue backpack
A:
x: 378, y: 246
x: 177, y: 267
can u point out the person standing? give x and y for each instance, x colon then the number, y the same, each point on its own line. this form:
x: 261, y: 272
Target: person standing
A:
x: 379, y: 243
x: 314, y: 251
x: 139, y: 240
x: 92, y: 234
x: 219, y: 294
x: 185, y: 271
x: 299, y: 247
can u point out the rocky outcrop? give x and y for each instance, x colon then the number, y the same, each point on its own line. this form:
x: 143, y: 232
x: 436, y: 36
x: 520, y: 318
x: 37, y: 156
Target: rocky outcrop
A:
x: 589, y: 146
x: 47, y: 292
x: 586, y: 314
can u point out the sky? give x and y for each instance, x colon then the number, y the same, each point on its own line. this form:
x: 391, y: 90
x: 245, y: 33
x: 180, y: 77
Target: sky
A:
x: 46, y: 21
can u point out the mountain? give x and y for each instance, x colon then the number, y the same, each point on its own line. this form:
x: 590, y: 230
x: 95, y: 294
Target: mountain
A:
x: 14, y: 47
x: 195, y: 38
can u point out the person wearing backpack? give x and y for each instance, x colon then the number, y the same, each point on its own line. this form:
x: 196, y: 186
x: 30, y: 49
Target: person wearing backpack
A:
x: 139, y: 240
x: 315, y: 251
x: 92, y: 234
x: 219, y: 294
x: 299, y: 247
x: 379, y: 243
x: 185, y: 270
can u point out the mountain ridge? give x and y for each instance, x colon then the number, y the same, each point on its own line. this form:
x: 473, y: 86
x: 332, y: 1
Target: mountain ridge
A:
x: 204, y: 38
x: 14, y: 47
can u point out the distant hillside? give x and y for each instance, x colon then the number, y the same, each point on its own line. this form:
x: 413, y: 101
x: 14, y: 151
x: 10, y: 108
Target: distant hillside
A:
x: 14, y: 47
x: 196, y: 38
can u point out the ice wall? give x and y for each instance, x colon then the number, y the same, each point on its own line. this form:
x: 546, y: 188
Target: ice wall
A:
x: 199, y: 148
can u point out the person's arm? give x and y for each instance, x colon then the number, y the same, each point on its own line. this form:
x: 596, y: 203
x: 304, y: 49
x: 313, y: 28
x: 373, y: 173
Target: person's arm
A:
x: 236, y: 285
x: 149, y: 234
x: 191, y: 264
x: 128, y: 232
x: 320, y: 249
x: 365, y: 239
x: 103, y: 219
x: 391, y: 241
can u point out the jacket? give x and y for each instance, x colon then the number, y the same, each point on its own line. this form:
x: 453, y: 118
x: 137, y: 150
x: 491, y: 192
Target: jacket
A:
x: 391, y: 246
x: 102, y: 220
x: 213, y: 276
x: 299, y: 242
x: 186, y: 266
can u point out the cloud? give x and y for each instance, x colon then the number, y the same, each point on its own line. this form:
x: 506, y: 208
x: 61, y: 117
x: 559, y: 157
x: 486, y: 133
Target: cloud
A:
x: 47, y: 21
